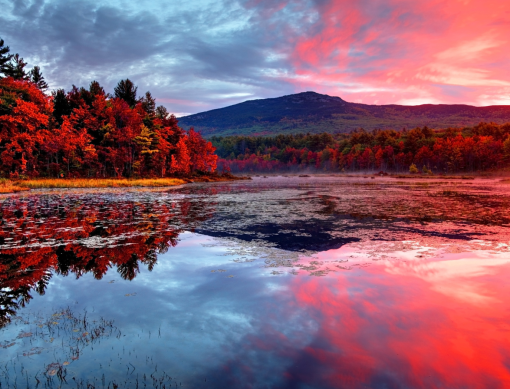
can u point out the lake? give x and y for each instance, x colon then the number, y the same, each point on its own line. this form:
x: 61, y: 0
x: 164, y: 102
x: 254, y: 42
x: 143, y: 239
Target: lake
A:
x: 279, y: 282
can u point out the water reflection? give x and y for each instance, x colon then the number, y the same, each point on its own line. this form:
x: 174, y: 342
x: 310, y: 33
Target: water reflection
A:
x: 411, y: 324
x: 400, y: 302
x: 76, y: 234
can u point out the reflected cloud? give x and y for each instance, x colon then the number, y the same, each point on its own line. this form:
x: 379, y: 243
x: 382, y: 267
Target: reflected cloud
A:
x: 417, y: 300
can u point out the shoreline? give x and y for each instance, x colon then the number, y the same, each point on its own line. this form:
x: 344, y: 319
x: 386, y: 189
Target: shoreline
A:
x: 16, y: 186
x: 8, y: 186
x: 378, y: 175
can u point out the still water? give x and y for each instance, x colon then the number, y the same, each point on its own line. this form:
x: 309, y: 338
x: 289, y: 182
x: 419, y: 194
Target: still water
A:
x: 312, y: 282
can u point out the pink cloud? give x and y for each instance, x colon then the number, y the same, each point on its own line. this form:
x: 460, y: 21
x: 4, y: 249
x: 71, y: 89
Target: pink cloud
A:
x: 403, y: 51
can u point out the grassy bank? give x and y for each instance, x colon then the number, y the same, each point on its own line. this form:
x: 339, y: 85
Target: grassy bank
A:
x: 98, y: 183
x: 13, y: 186
x: 7, y: 186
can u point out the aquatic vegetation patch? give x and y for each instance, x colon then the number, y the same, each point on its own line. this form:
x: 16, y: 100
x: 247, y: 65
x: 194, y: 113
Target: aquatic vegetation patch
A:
x: 56, y: 349
x: 49, y: 344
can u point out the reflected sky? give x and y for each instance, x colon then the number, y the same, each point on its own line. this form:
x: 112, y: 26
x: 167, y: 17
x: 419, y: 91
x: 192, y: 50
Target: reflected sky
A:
x: 226, y: 311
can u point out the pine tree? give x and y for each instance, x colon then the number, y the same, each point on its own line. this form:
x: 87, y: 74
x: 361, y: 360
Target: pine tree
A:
x: 96, y: 89
x: 15, y: 68
x: 149, y: 104
x: 37, y: 78
x: 5, y: 57
x: 126, y: 91
x: 61, y: 105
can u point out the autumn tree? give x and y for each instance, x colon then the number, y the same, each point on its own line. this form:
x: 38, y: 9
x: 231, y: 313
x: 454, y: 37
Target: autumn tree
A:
x: 161, y: 112
x: 95, y: 89
x: 506, y: 149
x: 87, y: 132
x: 201, y: 152
x: 24, y: 121
x: 180, y: 161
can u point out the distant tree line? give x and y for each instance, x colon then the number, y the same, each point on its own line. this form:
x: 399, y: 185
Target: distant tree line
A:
x: 480, y: 148
x: 86, y: 132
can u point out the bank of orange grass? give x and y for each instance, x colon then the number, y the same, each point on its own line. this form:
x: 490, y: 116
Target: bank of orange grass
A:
x: 7, y: 186
x: 41, y: 183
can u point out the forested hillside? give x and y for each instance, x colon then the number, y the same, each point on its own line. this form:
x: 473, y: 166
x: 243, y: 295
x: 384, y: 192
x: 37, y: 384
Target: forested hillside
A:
x: 311, y: 112
x: 479, y: 148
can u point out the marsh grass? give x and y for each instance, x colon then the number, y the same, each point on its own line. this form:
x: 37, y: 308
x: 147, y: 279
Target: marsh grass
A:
x: 99, y: 183
x: 7, y: 186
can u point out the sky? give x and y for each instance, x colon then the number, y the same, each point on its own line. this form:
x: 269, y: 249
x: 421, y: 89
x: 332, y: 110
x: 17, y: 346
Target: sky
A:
x: 199, y: 55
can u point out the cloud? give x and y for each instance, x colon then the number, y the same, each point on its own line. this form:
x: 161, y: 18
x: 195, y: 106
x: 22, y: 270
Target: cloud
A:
x: 406, y: 48
x: 205, y: 54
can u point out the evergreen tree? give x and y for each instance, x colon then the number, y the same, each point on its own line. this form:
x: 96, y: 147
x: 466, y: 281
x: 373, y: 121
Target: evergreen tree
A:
x: 126, y: 91
x: 37, y: 78
x: 161, y: 112
x: 15, y: 68
x: 5, y: 57
x: 95, y: 89
x: 149, y: 104
x: 61, y: 105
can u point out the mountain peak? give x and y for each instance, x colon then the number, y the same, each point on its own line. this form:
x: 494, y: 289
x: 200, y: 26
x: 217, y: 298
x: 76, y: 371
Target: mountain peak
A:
x: 315, y: 113
x: 313, y: 96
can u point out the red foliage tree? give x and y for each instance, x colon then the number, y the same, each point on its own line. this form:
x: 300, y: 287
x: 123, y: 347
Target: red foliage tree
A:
x: 24, y: 118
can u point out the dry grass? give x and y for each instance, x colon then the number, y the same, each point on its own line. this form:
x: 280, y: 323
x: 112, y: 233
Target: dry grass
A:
x: 99, y: 183
x: 7, y: 186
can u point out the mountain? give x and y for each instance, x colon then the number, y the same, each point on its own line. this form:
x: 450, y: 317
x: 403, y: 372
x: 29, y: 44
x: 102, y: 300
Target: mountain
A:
x: 316, y: 113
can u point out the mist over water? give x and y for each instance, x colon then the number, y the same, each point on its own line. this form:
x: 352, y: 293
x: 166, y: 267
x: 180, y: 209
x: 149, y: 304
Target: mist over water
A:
x: 281, y: 282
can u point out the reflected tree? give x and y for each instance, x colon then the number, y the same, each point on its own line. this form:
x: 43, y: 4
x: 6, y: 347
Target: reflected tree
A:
x: 42, y: 235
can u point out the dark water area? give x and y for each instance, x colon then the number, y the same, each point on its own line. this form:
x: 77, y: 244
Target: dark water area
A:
x: 279, y: 282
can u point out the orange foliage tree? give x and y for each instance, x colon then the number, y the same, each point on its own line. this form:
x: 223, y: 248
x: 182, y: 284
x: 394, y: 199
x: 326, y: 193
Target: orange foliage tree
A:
x: 87, y: 132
